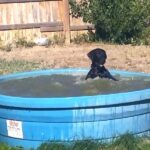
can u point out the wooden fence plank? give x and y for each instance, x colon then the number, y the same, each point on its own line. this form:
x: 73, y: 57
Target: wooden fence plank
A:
x: 29, y: 25
x: 45, y: 27
x: 72, y: 28
x: 51, y: 29
x: 82, y: 27
x: 23, y: 1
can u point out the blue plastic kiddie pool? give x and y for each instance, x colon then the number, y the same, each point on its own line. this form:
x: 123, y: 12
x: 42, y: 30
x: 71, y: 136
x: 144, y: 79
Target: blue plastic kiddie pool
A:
x: 29, y: 121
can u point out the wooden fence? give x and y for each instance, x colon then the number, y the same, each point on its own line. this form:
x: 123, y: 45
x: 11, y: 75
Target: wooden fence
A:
x: 43, y: 15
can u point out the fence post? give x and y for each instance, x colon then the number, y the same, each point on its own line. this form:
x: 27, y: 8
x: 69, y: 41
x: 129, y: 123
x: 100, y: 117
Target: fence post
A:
x: 66, y: 21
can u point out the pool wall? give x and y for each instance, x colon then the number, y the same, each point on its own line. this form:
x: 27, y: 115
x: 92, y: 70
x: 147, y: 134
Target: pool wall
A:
x: 28, y: 122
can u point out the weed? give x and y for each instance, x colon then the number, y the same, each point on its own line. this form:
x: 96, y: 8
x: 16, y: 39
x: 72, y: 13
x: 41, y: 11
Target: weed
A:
x: 85, y: 38
x: 6, y: 147
x: 22, y: 42
x: 126, y: 142
x: 58, y: 40
x: 49, y: 43
x: 81, y: 38
x: 1, y: 42
x: 86, y: 145
x: 53, y: 146
x: 6, y: 47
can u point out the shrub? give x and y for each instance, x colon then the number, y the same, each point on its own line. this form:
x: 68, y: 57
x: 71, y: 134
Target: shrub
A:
x: 120, y: 21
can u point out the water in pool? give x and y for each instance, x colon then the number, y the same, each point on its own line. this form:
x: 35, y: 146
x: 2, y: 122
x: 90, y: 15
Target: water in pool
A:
x: 70, y: 85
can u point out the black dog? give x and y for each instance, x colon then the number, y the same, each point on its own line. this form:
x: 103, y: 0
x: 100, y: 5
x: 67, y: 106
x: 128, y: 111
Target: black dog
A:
x: 98, y: 57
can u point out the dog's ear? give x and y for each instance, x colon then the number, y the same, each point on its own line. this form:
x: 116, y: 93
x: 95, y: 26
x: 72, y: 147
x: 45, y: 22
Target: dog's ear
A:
x: 90, y: 55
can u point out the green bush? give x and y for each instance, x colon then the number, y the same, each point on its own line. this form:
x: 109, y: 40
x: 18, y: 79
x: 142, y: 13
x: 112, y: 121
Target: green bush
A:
x: 120, y: 21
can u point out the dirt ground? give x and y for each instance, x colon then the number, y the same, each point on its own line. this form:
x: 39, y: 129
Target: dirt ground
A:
x: 124, y: 57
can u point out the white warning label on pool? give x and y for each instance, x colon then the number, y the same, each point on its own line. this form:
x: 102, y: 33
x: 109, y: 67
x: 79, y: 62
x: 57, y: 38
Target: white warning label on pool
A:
x: 14, y: 128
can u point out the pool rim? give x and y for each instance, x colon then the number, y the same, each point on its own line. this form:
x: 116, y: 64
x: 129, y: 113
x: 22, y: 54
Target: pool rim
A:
x: 72, y: 102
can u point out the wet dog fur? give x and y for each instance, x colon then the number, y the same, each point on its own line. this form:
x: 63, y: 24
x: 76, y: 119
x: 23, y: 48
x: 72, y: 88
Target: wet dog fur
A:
x: 98, y: 58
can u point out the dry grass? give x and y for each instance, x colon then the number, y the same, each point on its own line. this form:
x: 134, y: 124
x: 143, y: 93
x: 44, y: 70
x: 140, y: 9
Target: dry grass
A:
x: 125, y: 57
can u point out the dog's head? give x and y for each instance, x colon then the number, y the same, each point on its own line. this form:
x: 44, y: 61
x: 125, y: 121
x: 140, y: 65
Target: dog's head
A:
x: 98, y: 56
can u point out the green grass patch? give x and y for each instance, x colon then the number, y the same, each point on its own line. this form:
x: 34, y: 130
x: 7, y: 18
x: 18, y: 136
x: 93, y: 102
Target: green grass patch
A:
x: 124, y: 142
x: 6, y: 147
x: 13, y: 66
